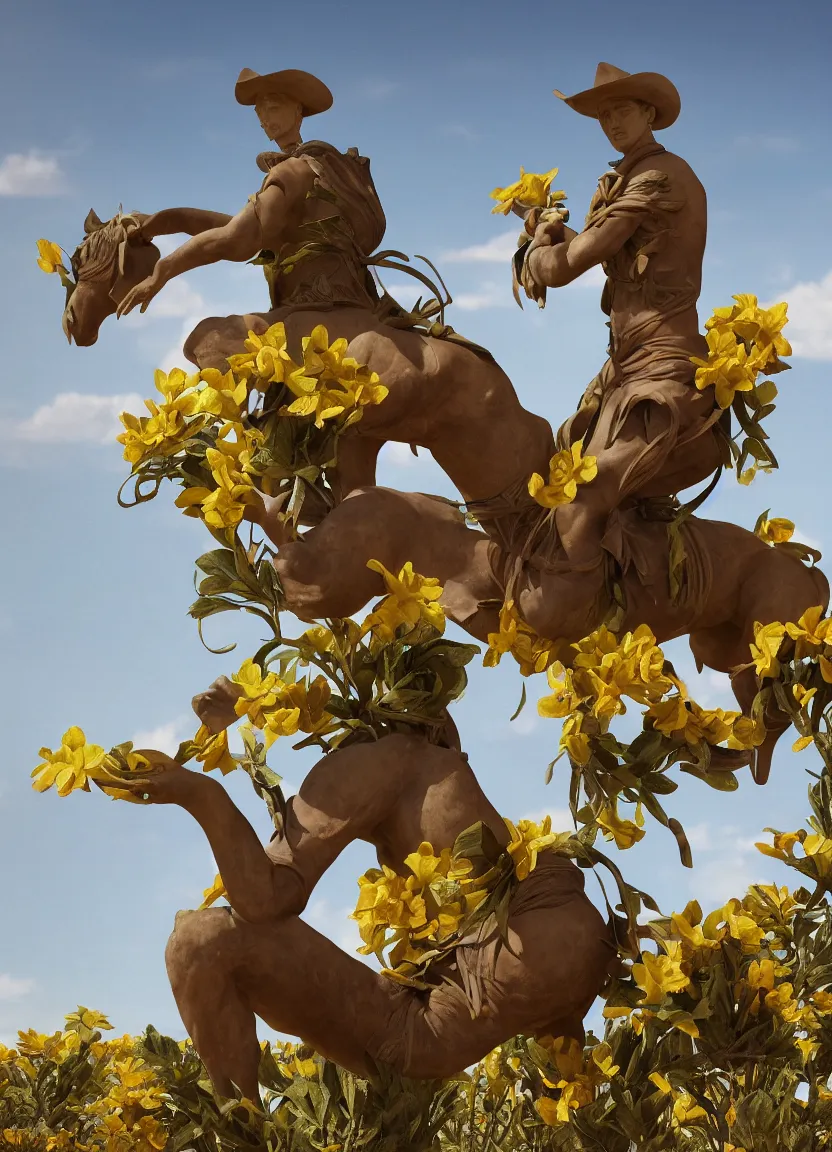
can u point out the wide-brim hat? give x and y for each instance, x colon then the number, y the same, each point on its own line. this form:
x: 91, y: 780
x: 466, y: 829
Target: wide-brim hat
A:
x: 310, y: 92
x: 613, y: 83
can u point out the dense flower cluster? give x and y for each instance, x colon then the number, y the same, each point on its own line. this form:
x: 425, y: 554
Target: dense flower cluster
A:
x: 410, y: 915
x: 718, y: 1036
x: 744, y: 342
x: 219, y: 435
x: 328, y: 384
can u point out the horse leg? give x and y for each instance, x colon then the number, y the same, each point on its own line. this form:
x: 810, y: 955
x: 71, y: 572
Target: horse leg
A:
x: 357, y: 458
x: 772, y: 587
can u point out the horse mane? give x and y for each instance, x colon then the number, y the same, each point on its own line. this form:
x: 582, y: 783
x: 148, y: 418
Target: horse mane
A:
x: 92, y: 260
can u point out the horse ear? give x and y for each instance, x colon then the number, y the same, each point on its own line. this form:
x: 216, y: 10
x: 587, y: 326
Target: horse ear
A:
x: 92, y: 223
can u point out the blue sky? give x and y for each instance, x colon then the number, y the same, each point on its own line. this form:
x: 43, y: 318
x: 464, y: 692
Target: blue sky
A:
x: 109, y: 105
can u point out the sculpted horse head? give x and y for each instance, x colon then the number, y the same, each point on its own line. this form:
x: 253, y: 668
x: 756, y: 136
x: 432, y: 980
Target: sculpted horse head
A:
x: 111, y: 259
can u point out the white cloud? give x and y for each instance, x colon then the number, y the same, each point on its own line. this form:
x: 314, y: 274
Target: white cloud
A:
x: 810, y: 318
x: 490, y: 295
x: 336, y: 925
x: 76, y: 418
x: 726, y: 863
x: 497, y: 250
x: 165, y: 738
x: 398, y: 455
x: 14, y: 987
x: 176, y: 300
x: 175, y: 357
x: 31, y: 174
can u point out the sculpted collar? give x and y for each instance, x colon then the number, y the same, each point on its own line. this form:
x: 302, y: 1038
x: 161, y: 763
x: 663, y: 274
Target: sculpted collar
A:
x: 625, y: 165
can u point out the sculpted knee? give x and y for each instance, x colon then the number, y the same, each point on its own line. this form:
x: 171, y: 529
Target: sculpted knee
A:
x: 197, y: 942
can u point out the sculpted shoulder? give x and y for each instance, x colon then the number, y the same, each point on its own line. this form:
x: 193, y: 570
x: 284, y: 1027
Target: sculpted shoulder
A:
x: 682, y: 176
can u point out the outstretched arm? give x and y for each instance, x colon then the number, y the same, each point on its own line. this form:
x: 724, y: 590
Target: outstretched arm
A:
x: 345, y: 797
x: 556, y: 264
x: 262, y: 223
x: 192, y: 221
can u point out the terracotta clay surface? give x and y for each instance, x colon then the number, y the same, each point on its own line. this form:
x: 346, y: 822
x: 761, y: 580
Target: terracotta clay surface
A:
x: 653, y: 435
x: 258, y: 958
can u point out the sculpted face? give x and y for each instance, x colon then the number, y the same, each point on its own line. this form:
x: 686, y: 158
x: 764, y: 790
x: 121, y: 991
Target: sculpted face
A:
x: 280, y: 118
x: 626, y: 123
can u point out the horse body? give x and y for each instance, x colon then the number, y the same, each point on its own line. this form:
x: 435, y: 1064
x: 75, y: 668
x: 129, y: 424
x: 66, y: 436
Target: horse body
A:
x: 742, y: 581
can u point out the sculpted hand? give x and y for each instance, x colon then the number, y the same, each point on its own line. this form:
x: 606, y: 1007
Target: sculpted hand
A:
x: 142, y: 294
x: 164, y: 781
x: 215, y: 706
x: 547, y: 233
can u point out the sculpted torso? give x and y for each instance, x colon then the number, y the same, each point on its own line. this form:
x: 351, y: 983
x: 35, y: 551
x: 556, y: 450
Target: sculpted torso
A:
x: 674, y: 266
x: 410, y: 792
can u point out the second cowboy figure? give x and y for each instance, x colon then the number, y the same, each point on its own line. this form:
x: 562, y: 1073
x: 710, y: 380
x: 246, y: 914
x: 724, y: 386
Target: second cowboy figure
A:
x: 652, y: 432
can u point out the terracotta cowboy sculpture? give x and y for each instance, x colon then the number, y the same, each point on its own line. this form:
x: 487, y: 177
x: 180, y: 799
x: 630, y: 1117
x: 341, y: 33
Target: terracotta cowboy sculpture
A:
x: 315, y: 224
x: 652, y: 432
x: 257, y: 958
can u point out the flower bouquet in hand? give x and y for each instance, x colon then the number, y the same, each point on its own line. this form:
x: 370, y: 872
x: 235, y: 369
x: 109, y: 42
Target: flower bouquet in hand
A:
x: 532, y: 198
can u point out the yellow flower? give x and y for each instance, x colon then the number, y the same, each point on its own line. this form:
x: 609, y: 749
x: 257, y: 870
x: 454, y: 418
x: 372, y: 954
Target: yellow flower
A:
x: 50, y: 256
x: 213, y: 752
x: 625, y: 833
x: 783, y: 844
x: 531, y: 191
x: 767, y: 641
x: 31, y: 1043
x: 728, y: 367
x: 515, y: 637
x: 71, y: 767
x: 802, y: 694
x: 223, y: 507
x: 87, y: 1018
x: 658, y: 976
x: 547, y: 1108
x: 742, y: 927
x: 330, y: 383
x: 170, y: 423
x: 411, y: 598
x: 686, y: 1110
x: 527, y: 840
x: 574, y: 741
x: 819, y: 850
x: 215, y: 892
x: 760, y: 327
x: 222, y: 395
x: 265, y: 356
x: 807, y: 1048
x: 777, y: 530
x: 567, y: 469
x: 810, y: 633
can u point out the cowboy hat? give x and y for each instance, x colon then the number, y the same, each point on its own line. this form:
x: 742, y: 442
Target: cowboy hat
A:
x: 611, y: 83
x: 310, y: 92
